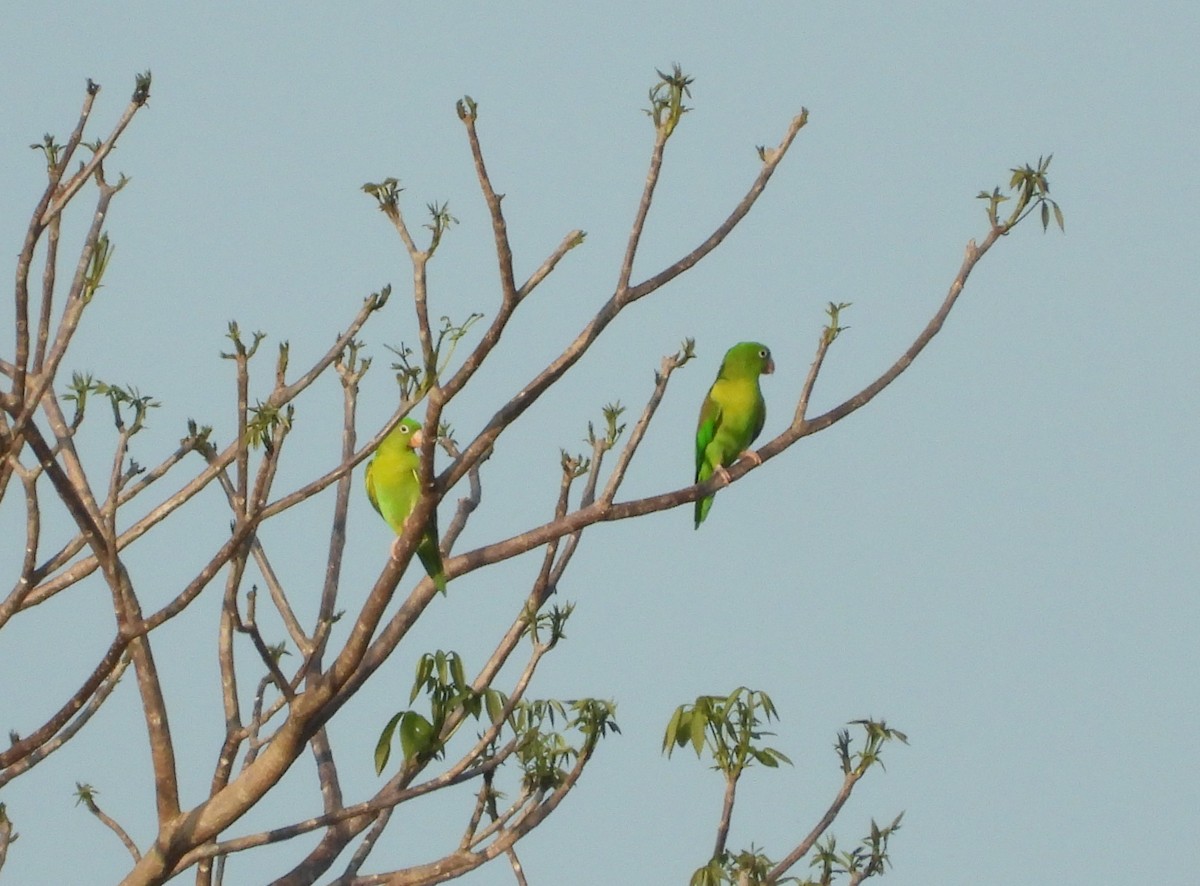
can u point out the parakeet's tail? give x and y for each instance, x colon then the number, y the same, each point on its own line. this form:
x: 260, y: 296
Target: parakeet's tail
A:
x: 431, y: 559
x: 703, y: 472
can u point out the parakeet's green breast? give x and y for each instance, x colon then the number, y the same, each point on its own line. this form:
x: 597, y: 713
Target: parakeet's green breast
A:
x: 394, y: 487
x: 392, y: 483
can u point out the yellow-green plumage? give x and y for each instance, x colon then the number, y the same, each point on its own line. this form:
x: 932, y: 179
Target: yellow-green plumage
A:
x: 394, y: 488
x: 732, y: 415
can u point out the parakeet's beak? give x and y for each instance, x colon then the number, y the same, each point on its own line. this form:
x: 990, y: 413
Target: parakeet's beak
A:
x: 415, y: 440
x: 770, y: 367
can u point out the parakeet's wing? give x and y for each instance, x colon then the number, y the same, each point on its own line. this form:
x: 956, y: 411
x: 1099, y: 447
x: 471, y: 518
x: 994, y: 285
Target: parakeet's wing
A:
x: 706, y: 430
x: 369, y: 478
x: 431, y: 556
x: 760, y: 416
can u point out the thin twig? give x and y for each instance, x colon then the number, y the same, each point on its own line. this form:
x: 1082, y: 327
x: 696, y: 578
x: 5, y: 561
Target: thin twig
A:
x: 364, y: 849
x: 33, y: 530
x: 87, y: 798
x: 37, y: 225
x: 350, y: 373
x: 72, y: 312
x: 669, y: 365
x: 48, y: 277
x: 6, y: 835
x: 71, y: 188
x: 504, y: 256
x: 810, y: 380
x: 85, y: 713
x: 11, y: 757
x: 726, y: 814
x: 249, y: 626
x: 821, y: 826
x: 569, y: 242
x: 971, y: 258
x: 661, y: 134
x: 157, y: 472
x: 466, y: 505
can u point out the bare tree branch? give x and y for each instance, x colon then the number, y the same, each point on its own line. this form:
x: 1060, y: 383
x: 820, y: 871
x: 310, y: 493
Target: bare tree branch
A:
x: 504, y: 256
x: 71, y: 188
x: 12, y: 603
x: 56, y: 167
x: 43, y: 749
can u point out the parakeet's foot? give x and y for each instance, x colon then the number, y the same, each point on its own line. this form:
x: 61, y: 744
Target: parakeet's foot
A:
x: 394, y: 544
x: 721, y: 474
x: 751, y: 455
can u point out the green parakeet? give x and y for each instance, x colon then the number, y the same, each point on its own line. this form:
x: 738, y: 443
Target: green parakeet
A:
x: 394, y: 489
x: 732, y: 415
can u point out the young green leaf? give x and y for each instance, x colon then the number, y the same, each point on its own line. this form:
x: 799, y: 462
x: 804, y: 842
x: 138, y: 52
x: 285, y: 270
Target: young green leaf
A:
x: 416, y: 735
x: 383, y: 747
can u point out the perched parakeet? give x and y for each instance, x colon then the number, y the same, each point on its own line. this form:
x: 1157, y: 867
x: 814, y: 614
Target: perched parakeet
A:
x: 732, y: 415
x: 394, y: 489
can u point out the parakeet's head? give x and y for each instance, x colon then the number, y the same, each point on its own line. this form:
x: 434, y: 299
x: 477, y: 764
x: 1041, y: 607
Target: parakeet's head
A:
x: 412, y: 429
x: 747, y: 358
x: 406, y: 435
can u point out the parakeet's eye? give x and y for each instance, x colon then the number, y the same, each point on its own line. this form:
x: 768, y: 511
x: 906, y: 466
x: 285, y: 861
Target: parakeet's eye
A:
x: 764, y: 353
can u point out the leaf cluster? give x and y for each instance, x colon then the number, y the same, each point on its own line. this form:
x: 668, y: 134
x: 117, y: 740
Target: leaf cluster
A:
x: 834, y: 328
x: 265, y: 421
x: 749, y: 867
x: 440, y: 676
x: 867, y: 859
x: 412, y: 377
x: 877, y: 735
x: 666, y: 100
x: 1031, y: 190
x: 97, y: 265
x: 548, y: 626
x: 545, y: 752
x: 729, y: 727
x: 129, y: 406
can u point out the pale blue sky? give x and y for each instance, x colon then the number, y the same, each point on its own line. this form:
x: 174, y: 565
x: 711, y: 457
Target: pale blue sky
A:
x: 998, y: 555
